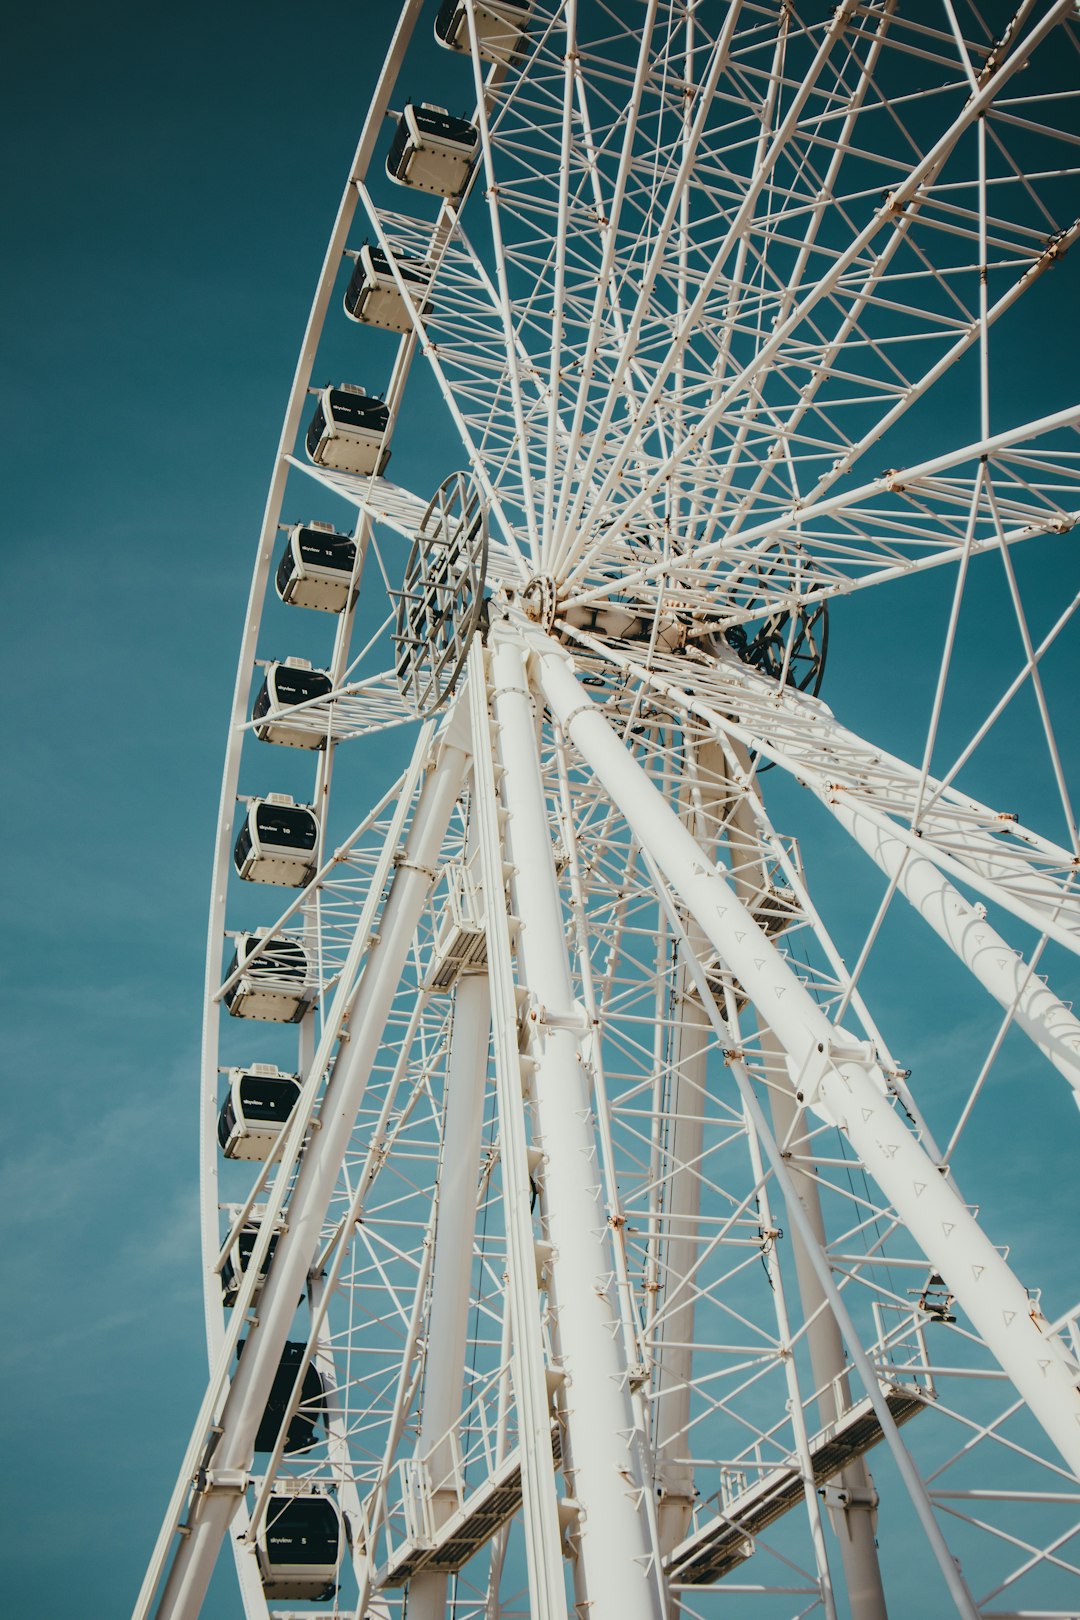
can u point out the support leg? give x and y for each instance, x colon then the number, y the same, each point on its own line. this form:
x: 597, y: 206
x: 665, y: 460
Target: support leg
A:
x: 689, y: 1080
x: 448, y: 1316
x: 836, y: 1076
x: 855, y: 1521
x: 616, y: 1574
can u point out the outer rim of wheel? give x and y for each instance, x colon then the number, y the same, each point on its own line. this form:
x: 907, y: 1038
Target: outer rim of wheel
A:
x: 250, y: 633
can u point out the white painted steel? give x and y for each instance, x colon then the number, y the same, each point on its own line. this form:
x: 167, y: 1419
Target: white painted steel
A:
x: 542, y: 1533
x: 894, y: 203
x: 672, y: 1439
x: 1013, y: 982
x: 447, y: 1323
x: 708, y: 261
x: 606, y: 1464
x: 991, y: 850
x: 211, y: 1511
x: 836, y: 1076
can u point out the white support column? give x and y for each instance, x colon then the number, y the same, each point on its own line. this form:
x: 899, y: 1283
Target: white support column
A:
x: 212, y: 1509
x: 444, y: 1361
x: 1000, y: 970
x: 540, y: 1516
x: 692, y: 1036
x: 497, y: 1545
x: 855, y: 1522
x: 679, y: 1252
x: 617, y: 1574
x: 835, y: 1075
x: 796, y: 1407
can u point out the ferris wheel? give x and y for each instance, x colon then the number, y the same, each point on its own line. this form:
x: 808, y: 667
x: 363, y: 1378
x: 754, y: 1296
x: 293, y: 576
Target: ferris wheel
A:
x: 578, y: 1235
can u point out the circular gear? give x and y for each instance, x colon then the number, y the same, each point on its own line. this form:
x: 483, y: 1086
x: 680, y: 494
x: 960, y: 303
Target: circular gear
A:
x: 442, y: 597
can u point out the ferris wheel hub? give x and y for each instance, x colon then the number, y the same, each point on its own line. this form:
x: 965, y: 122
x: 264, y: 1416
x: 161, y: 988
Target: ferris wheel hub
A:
x: 540, y: 600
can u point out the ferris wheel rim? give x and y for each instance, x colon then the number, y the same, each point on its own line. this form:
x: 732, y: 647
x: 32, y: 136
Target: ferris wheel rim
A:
x: 355, y: 190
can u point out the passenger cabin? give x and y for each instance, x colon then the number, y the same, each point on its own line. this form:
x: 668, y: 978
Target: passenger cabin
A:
x: 235, y: 1266
x: 300, y: 1546
x: 256, y: 1110
x: 277, y: 842
x: 274, y: 986
x: 302, y: 1426
x: 373, y: 296
x: 347, y: 430
x: 316, y: 568
x: 500, y: 26
x: 433, y: 151
x: 288, y: 685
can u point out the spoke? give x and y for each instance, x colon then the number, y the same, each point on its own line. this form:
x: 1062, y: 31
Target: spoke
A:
x: 898, y: 200
x: 652, y: 270
x: 795, y: 527
x: 1037, y: 686
x: 737, y: 227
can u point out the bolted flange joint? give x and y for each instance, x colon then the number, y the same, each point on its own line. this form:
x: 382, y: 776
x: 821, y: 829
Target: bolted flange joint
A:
x: 539, y: 600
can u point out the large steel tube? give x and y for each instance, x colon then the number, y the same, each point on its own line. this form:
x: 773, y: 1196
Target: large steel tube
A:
x: 444, y: 1363
x: 616, y: 1568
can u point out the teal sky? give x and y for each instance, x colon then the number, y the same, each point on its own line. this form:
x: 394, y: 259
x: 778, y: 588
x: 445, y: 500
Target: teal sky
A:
x: 170, y: 180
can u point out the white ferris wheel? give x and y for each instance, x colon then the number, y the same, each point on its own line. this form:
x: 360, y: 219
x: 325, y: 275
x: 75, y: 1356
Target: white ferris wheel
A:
x: 590, y: 1248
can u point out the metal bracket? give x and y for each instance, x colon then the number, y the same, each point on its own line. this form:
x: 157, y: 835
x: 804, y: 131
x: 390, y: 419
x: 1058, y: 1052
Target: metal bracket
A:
x: 211, y: 1481
x: 574, y: 1019
x: 845, y: 1498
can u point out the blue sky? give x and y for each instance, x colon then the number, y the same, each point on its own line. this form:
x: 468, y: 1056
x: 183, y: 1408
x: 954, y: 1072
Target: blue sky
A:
x: 170, y: 182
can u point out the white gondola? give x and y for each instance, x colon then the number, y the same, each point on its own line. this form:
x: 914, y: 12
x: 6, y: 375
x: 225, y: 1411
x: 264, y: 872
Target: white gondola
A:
x: 235, y: 1265
x: 277, y: 842
x: 432, y: 150
x: 274, y: 986
x: 316, y: 568
x: 256, y: 1110
x: 347, y: 430
x: 286, y: 686
x: 300, y: 1544
x: 500, y: 25
x: 373, y: 297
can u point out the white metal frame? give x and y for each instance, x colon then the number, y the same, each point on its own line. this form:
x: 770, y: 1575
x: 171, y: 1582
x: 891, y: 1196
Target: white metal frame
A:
x: 706, y: 264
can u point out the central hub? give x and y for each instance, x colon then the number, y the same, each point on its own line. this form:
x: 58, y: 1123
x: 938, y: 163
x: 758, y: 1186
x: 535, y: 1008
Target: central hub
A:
x: 539, y: 600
